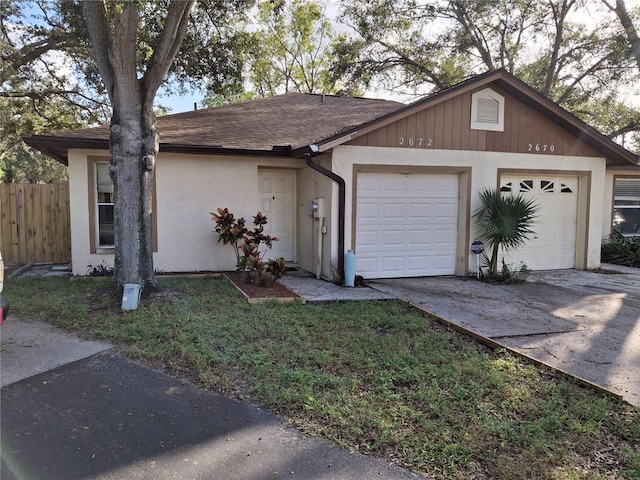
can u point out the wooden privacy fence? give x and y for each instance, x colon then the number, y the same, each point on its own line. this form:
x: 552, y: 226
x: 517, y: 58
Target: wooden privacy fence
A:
x: 34, y: 223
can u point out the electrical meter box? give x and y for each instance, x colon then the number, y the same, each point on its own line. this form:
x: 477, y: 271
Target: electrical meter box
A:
x: 320, y: 211
x: 312, y: 206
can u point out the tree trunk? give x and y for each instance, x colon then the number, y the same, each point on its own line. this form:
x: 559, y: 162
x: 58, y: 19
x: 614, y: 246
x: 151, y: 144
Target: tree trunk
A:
x: 134, y: 146
x: 629, y: 28
x: 134, y: 139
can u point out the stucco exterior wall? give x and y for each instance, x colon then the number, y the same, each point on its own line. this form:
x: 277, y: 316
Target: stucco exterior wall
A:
x: 188, y: 187
x: 312, y: 184
x: 484, y: 173
x: 81, y: 259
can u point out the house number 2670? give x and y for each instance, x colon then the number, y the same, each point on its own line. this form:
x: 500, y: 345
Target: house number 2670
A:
x: 415, y: 142
x: 538, y: 147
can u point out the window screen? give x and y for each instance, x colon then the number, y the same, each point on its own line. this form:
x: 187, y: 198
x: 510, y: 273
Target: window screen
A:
x: 626, y: 210
x: 104, y: 206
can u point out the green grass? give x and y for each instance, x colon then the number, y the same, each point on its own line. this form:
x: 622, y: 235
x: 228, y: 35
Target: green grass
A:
x: 376, y: 377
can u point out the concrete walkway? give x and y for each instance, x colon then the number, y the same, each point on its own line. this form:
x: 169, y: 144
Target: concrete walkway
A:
x: 583, y: 323
x: 108, y: 418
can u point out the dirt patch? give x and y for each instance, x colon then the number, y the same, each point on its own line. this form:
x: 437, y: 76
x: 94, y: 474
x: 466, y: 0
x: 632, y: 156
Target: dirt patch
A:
x: 605, y: 271
x: 273, y: 290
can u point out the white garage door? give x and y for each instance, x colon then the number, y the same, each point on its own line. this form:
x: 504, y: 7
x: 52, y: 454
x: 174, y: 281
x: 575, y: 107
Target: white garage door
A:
x: 554, y: 244
x: 406, y: 224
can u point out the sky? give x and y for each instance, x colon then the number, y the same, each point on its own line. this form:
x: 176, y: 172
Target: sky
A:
x: 184, y: 103
x: 177, y: 104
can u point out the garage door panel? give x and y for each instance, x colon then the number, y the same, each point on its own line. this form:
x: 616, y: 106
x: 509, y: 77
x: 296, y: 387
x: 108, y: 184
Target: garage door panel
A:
x: 367, y: 263
x: 446, y: 210
x: 418, y: 265
x: 392, y: 239
x: 442, y: 237
x: 369, y: 186
x: 393, y: 266
x: 553, y: 245
x: 368, y: 211
x: 420, y: 211
x: 417, y: 238
x: 392, y: 211
x: 367, y: 240
x: 568, y: 217
x: 392, y: 184
x: 416, y: 232
x: 442, y: 262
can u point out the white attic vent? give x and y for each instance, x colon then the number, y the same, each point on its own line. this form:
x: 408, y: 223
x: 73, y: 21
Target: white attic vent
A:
x: 487, y: 110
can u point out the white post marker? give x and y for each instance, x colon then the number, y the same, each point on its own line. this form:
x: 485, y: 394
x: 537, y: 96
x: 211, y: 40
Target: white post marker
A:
x: 477, y: 247
x: 130, y: 296
x: 1, y: 272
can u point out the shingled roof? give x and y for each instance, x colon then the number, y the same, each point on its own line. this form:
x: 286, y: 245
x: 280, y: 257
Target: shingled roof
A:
x: 274, y: 125
x: 287, y: 125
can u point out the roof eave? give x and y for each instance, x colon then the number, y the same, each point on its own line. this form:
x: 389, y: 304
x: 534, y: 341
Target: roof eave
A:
x: 274, y: 151
x: 58, y: 147
x: 567, y: 120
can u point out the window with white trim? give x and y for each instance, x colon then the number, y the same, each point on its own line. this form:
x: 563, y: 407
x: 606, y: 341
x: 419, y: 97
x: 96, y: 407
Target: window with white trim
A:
x: 626, y: 206
x: 487, y: 110
x: 104, y: 206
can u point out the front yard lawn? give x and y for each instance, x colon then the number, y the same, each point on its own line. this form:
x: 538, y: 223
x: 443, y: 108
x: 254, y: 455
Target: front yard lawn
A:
x: 377, y: 377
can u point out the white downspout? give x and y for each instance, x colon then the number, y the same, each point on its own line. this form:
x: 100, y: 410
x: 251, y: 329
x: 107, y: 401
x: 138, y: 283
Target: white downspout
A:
x: 320, y: 245
x: 322, y: 231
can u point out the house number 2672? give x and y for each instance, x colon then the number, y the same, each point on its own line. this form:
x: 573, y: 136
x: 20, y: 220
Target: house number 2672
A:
x: 416, y: 142
x: 539, y: 147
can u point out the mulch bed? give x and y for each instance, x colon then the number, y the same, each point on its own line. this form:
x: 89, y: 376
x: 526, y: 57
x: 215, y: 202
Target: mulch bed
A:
x: 274, y: 290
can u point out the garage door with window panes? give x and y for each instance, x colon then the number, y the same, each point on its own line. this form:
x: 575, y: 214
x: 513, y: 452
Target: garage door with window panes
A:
x: 553, y: 245
x: 626, y: 209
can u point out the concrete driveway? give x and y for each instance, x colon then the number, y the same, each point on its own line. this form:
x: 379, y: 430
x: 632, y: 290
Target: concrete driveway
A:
x: 583, y: 322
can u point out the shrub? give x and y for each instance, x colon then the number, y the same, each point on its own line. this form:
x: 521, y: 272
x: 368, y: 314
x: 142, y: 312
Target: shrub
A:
x: 621, y: 250
x: 250, y: 246
x: 505, y: 223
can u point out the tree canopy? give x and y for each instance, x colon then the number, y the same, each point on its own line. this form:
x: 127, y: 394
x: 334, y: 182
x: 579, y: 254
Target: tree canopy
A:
x: 290, y: 46
x: 582, y: 54
x: 49, y: 80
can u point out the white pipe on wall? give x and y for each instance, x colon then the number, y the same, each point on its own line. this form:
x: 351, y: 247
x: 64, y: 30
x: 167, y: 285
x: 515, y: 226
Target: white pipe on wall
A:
x: 319, y: 252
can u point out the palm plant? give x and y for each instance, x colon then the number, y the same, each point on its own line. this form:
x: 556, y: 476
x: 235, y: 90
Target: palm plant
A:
x: 505, y: 222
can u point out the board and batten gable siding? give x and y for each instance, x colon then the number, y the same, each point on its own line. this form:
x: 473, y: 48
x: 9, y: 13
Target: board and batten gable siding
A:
x: 447, y: 126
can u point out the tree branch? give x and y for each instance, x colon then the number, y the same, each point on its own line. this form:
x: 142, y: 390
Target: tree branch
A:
x: 167, y: 48
x: 629, y: 28
x: 630, y: 127
x: 29, y: 53
x: 100, y: 36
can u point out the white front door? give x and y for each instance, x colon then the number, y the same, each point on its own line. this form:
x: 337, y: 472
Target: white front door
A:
x: 406, y: 224
x: 276, y: 201
x: 553, y: 246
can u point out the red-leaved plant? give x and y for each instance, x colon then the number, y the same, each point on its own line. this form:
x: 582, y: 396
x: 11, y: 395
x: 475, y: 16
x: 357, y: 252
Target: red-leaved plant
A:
x: 249, y: 245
